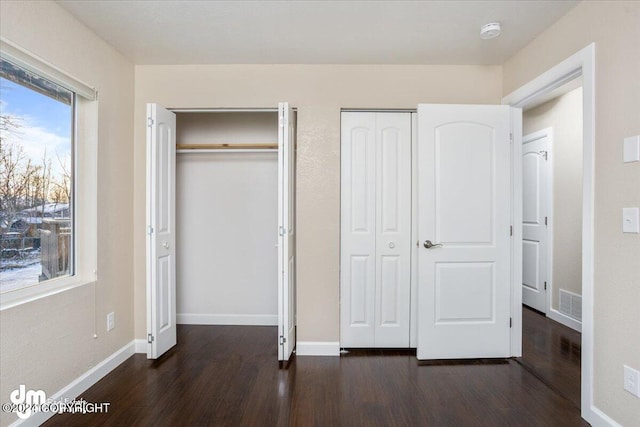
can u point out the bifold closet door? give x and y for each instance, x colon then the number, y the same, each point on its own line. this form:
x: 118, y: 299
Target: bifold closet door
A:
x: 375, y: 229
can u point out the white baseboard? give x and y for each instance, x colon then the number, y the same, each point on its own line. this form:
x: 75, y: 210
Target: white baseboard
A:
x: 140, y: 346
x: 565, y: 320
x: 227, y: 319
x: 82, y: 383
x: 597, y: 418
x: 317, y: 348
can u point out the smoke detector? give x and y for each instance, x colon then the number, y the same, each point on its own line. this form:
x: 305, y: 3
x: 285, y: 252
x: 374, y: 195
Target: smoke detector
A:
x: 490, y: 31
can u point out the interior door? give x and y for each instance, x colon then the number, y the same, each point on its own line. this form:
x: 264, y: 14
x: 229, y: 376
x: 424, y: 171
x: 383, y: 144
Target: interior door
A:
x: 535, y: 187
x: 286, y: 231
x: 464, y: 211
x: 161, y: 251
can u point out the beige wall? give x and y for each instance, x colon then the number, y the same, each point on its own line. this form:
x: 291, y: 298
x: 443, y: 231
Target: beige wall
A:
x: 613, y: 26
x: 318, y: 91
x: 48, y: 343
x: 564, y: 115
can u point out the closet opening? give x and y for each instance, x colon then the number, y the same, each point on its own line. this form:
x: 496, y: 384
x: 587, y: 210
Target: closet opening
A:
x: 221, y: 229
x: 227, y: 218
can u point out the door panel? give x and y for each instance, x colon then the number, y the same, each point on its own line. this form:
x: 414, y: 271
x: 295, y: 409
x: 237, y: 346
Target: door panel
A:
x: 457, y: 195
x: 464, y: 204
x: 286, y: 231
x: 161, y: 260
x: 358, y: 235
x: 393, y: 229
x: 535, y: 176
x: 375, y: 229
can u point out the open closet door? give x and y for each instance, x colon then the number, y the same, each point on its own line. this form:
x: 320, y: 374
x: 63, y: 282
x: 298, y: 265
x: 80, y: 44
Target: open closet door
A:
x: 464, y: 227
x: 286, y: 231
x: 161, y: 252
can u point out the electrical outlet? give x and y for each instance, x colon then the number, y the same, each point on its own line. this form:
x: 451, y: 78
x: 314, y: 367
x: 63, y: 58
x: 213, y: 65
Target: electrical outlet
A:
x: 631, y: 380
x: 111, y: 321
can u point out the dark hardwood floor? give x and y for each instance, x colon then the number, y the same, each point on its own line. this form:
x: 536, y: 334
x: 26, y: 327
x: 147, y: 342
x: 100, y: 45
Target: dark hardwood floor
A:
x: 552, y: 352
x: 228, y: 376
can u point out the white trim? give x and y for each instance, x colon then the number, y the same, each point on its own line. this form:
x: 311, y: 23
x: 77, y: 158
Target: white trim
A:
x: 34, y: 63
x: 568, y: 321
x: 516, y: 238
x: 28, y: 294
x: 600, y: 419
x: 317, y: 348
x: 227, y: 319
x: 140, y: 345
x: 582, y: 62
x: 81, y: 384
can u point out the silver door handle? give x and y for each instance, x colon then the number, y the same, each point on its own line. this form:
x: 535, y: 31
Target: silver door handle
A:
x: 165, y: 245
x: 429, y: 245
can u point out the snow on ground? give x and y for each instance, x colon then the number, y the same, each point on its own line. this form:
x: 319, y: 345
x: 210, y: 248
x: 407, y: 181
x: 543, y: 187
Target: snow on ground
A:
x: 16, y: 278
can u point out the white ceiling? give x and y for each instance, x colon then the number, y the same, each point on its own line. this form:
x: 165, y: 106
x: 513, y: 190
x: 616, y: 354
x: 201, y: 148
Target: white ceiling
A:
x: 315, y: 32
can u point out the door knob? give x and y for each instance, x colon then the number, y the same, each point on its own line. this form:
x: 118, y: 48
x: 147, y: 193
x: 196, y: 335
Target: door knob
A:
x: 429, y: 245
x: 392, y: 245
x: 165, y: 245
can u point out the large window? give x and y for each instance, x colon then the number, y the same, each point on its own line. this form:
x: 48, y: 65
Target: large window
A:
x: 37, y: 127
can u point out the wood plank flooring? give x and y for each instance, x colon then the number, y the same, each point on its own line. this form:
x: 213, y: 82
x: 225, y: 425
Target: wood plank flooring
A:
x: 552, y: 352
x: 228, y: 376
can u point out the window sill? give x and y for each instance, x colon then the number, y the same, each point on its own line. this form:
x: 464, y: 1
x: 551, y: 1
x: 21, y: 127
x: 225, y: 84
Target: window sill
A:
x: 35, y: 292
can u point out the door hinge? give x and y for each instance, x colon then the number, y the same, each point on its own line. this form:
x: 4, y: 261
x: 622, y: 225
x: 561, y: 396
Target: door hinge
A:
x: 511, y: 322
x: 417, y: 243
x: 511, y: 137
x: 150, y: 338
x: 149, y: 121
x: 511, y: 230
x: 545, y: 220
x: 282, y: 340
x: 545, y: 286
x: 149, y: 230
x: 282, y: 231
x: 281, y: 120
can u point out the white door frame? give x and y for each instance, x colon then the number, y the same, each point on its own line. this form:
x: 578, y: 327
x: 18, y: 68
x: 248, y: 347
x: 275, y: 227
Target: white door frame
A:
x: 533, y: 136
x: 582, y: 64
x: 147, y: 188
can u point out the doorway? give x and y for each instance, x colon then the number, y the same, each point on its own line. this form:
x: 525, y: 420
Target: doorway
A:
x: 552, y: 205
x: 220, y: 158
x: 580, y: 64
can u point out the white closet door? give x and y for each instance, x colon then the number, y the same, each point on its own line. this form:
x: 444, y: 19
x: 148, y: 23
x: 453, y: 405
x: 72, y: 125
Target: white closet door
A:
x: 161, y: 252
x: 286, y: 231
x: 375, y: 229
x: 393, y: 229
x: 464, y: 204
x: 358, y: 229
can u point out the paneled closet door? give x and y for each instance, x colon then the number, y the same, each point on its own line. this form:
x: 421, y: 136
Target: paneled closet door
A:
x: 375, y: 229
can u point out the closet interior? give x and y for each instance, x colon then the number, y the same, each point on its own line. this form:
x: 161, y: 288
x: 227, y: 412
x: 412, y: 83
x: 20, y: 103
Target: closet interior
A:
x: 227, y: 217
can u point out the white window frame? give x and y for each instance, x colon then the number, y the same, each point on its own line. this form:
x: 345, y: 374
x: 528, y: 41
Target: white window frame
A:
x: 84, y: 197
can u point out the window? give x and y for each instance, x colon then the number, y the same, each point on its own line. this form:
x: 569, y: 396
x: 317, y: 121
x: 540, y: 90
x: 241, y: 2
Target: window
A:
x: 48, y: 181
x: 36, y: 179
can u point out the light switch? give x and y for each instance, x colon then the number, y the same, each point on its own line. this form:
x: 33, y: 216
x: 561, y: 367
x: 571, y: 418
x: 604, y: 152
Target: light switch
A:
x: 631, y: 220
x: 632, y: 149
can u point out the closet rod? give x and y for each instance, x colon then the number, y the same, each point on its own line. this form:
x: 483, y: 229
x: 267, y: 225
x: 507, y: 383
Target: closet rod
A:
x: 226, y: 146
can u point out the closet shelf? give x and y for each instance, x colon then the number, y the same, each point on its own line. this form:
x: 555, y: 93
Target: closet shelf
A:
x: 223, y: 147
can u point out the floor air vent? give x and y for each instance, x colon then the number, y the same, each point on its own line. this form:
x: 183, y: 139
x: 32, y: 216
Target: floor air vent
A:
x: 571, y: 304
